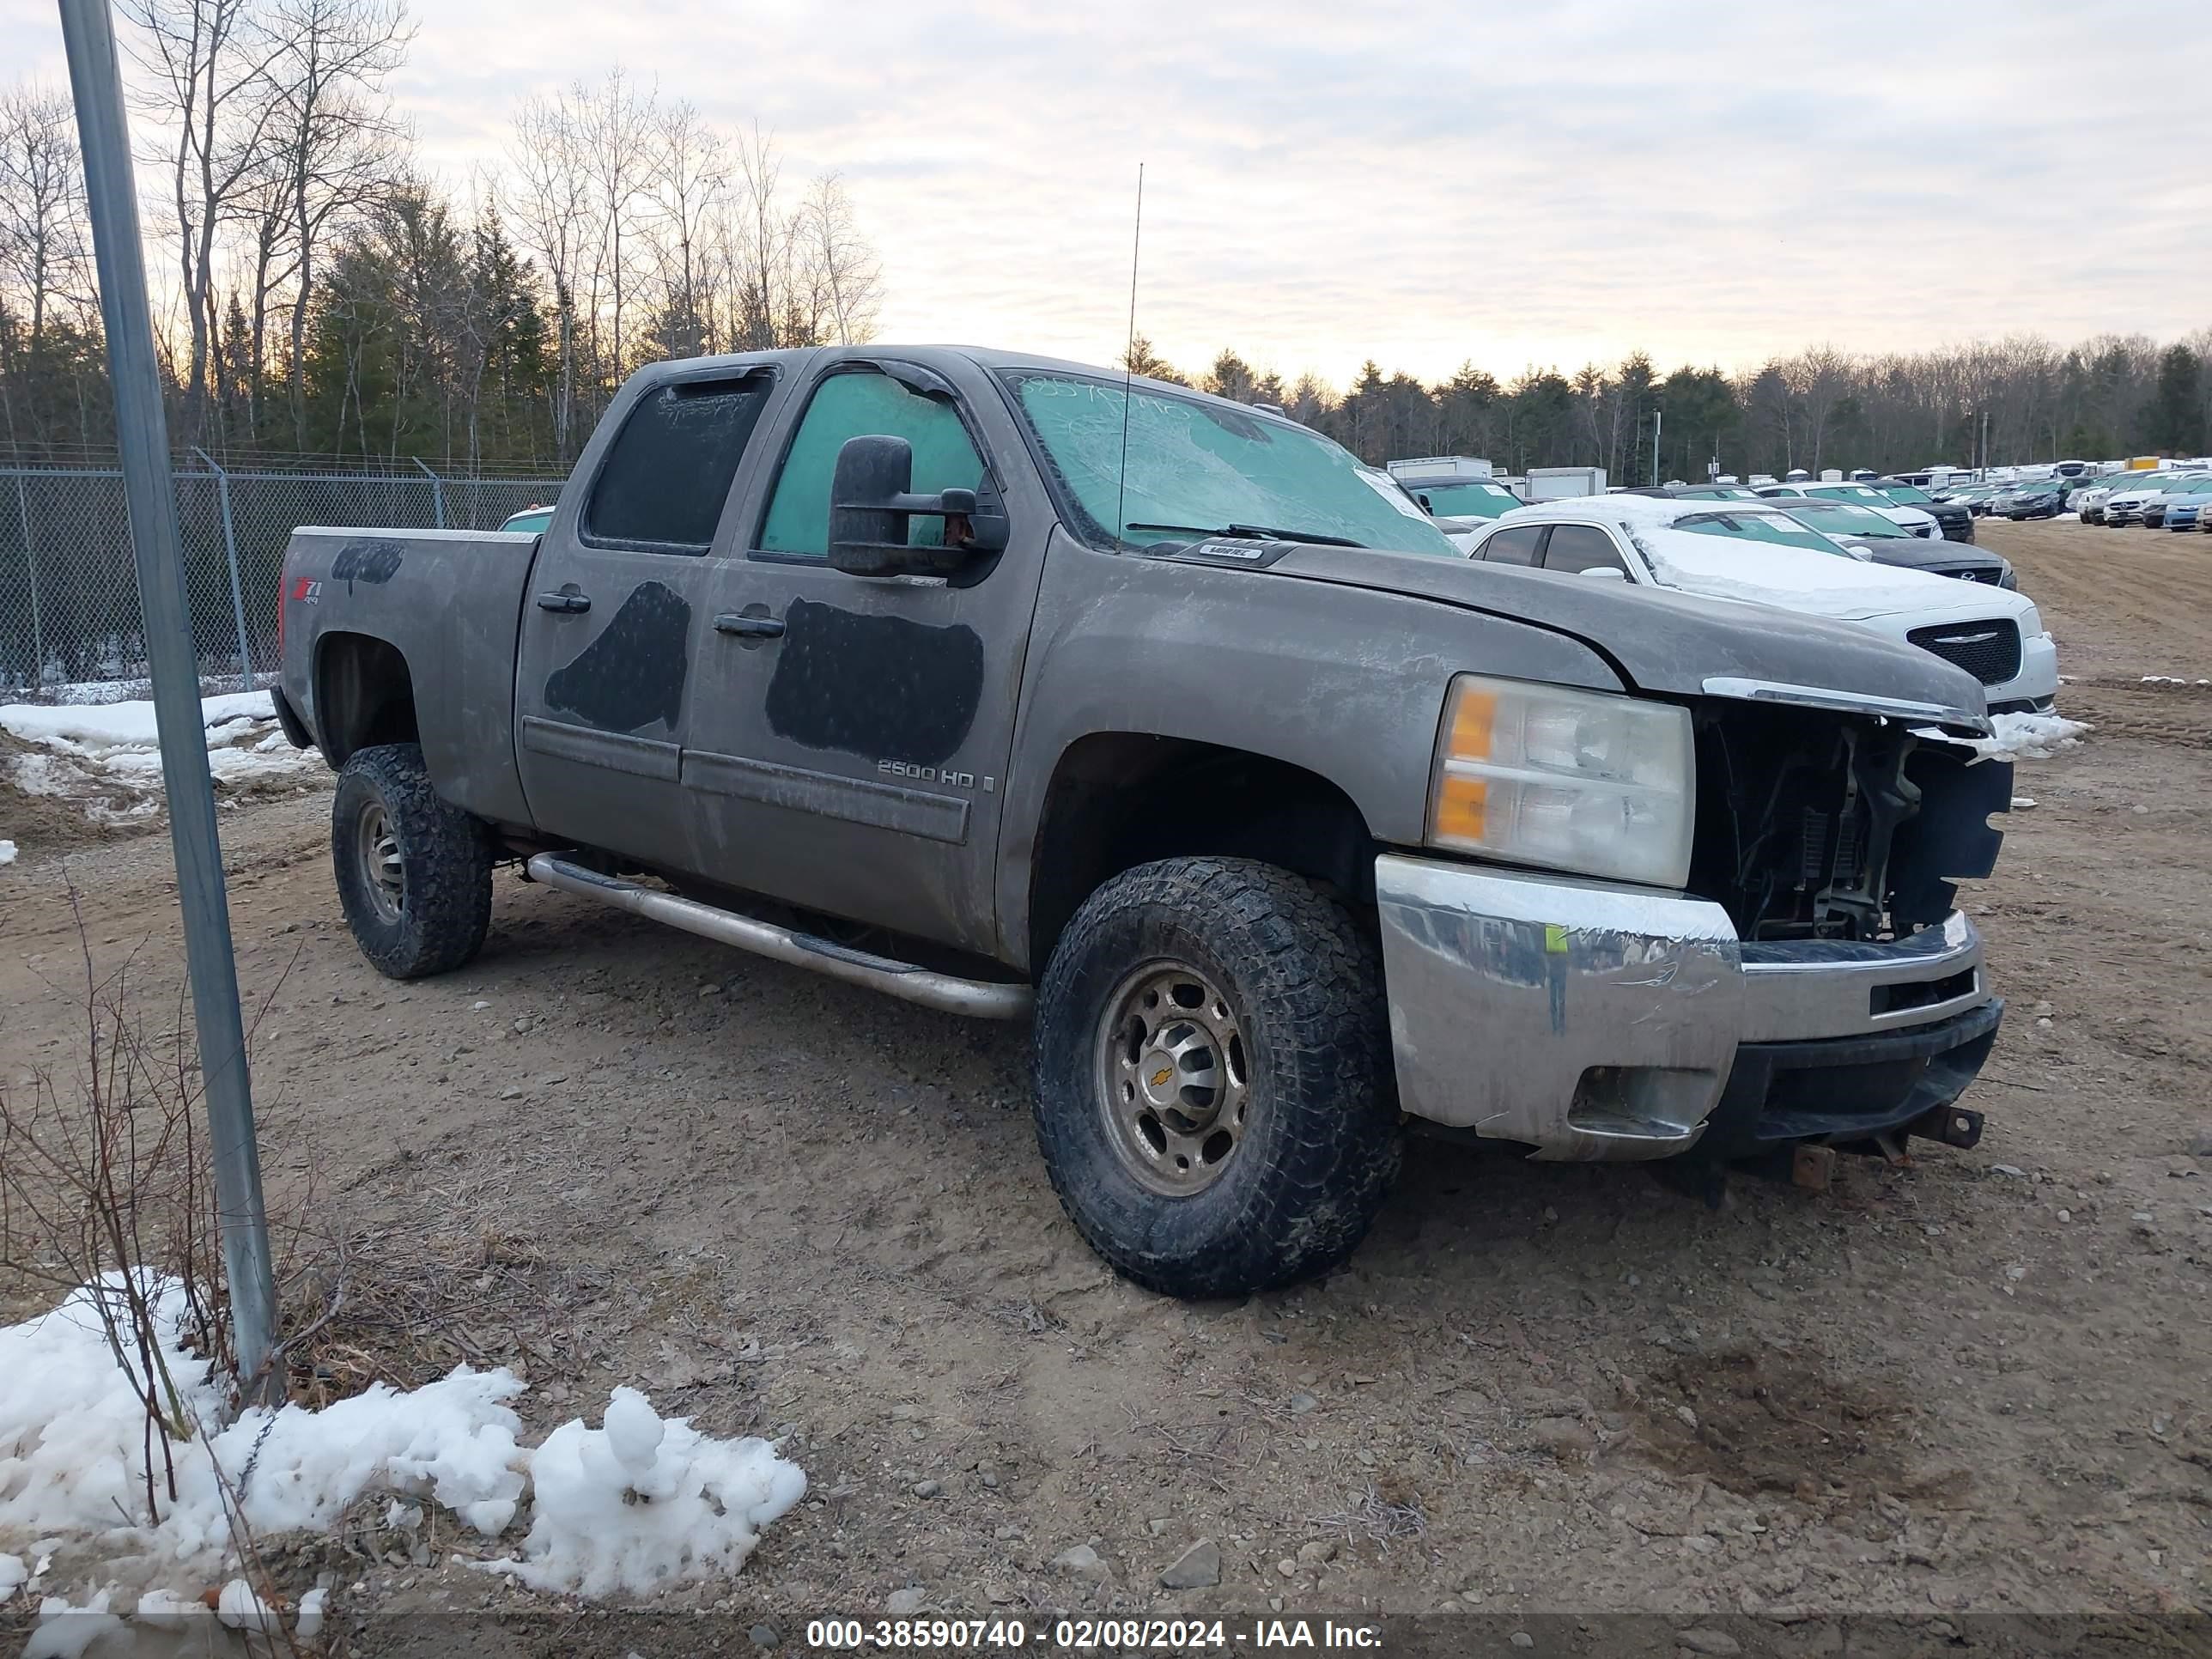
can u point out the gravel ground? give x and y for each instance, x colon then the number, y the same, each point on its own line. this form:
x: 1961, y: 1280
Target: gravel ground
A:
x: 609, y: 1153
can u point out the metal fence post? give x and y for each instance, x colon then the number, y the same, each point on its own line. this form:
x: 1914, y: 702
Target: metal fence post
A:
x: 230, y: 552
x: 437, y: 491
x: 31, y: 562
x: 141, y: 436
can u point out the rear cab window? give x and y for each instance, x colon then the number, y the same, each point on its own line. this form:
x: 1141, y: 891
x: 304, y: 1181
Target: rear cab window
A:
x: 667, y: 474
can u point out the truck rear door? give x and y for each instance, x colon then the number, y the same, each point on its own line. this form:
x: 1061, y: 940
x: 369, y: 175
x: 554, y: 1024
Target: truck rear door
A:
x: 620, y: 608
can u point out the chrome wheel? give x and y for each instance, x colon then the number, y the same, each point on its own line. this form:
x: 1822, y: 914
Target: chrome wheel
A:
x: 384, y: 872
x: 1173, y: 1079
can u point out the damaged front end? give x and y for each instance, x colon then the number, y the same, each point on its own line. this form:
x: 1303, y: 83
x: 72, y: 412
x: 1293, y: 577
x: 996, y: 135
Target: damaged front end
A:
x: 1834, y: 840
x: 1811, y: 987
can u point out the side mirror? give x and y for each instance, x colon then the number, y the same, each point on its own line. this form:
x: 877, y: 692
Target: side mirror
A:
x: 1864, y: 555
x: 871, y: 503
x: 1604, y: 572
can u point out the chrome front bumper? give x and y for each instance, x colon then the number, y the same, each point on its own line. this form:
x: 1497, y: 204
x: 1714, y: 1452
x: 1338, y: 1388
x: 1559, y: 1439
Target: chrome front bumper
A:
x: 1588, y: 1021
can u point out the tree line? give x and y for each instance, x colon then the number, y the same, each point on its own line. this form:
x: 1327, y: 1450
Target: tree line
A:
x: 330, y: 302
x: 2016, y: 400
x: 326, y: 299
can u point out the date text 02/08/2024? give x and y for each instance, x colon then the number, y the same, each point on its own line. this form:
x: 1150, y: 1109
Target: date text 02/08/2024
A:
x: 1083, y: 1635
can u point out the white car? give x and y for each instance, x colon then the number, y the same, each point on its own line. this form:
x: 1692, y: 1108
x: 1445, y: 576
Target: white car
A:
x: 1757, y: 554
x: 2124, y: 506
x: 1916, y: 519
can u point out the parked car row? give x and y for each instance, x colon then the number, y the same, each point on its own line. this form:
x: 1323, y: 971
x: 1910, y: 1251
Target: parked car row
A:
x: 1864, y: 522
x: 2146, y: 498
x: 1788, y: 553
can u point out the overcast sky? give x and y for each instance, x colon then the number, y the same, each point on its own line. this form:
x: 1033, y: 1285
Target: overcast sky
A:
x: 1425, y: 182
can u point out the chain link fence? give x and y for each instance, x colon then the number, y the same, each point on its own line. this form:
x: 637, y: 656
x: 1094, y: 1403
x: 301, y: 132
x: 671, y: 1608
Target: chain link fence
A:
x: 69, y: 626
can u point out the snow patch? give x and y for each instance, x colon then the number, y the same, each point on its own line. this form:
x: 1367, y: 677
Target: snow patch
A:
x: 64, y: 1632
x: 1793, y: 579
x: 106, y: 757
x: 7, y: 852
x: 89, y: 728
x: 645, y: 1501
x: 2018, y: 737
x: 640, y: 1504
x: 241, y: 1608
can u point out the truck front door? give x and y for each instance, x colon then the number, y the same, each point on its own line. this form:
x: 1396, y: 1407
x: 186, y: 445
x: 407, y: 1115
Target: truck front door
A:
x: 847, y: 749
x: 618, y: 614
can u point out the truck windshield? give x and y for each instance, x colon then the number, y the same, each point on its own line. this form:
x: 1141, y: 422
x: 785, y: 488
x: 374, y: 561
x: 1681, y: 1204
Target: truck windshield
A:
x: 1906, y: 495
x: 1196, y: 467
x: 1465, y: 501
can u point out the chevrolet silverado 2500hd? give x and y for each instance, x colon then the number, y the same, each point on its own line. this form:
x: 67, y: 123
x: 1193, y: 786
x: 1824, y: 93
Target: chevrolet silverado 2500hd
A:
x: 1003, y: 685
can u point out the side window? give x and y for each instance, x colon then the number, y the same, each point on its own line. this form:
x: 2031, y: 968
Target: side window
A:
x: 1514, y: 546
x: 668, y: 472
x: 854, y: 404
x: 1576, y: 547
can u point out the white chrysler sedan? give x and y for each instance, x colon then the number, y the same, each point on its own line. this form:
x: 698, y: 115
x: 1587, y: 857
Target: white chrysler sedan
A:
x: 1753, y: 553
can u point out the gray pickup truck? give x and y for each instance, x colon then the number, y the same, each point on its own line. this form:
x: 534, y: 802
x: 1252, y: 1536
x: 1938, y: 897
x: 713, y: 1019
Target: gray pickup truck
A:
x: 1001, y: 685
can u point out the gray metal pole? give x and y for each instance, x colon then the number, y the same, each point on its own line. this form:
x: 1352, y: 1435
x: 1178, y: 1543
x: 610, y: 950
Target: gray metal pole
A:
x: 437, y: 491
x: 31, y: 562
x: 1658, y: 422
x: 230, y: 552
x: 141, y: 436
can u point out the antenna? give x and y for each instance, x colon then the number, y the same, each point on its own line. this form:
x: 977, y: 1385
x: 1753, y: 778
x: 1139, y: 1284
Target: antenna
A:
x: 1128, y: 364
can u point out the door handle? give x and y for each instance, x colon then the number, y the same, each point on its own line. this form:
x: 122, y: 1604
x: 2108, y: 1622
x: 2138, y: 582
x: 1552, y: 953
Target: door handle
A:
x: 564, y: 599
x: 748, y: 627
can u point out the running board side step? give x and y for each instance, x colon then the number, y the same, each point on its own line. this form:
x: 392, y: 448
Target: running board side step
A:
x: 981, y: 999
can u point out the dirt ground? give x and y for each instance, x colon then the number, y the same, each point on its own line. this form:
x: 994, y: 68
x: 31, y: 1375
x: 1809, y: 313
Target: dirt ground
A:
x: 608, y: 1154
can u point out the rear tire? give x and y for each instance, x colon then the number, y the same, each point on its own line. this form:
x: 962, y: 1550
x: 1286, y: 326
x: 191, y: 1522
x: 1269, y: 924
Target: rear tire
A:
x: 413, y: 871
x: 1213, y: 1080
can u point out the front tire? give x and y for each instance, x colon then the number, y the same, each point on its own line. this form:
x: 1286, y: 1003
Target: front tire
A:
x: 413, y: 871
x: 1212, y: 1083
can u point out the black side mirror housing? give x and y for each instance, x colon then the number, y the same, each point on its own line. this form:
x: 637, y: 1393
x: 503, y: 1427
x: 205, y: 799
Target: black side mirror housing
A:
x: 872, y: 501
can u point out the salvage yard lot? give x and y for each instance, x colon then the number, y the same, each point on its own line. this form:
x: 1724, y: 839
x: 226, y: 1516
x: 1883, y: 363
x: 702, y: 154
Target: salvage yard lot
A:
x: 607, y: 1153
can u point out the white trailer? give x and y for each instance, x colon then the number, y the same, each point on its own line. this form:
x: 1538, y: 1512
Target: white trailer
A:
x: 1441, y: 469
x: 1554, y: 484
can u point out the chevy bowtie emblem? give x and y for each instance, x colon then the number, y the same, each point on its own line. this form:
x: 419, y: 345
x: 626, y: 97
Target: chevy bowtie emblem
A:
x: 1966, y: 639
x: 1161, y: 1077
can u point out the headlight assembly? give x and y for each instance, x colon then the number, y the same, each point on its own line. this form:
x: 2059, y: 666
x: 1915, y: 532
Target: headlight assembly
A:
x: 1582, y: 782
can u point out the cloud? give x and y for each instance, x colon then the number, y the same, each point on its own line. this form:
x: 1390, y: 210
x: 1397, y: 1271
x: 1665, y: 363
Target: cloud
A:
x: 1421, y: 182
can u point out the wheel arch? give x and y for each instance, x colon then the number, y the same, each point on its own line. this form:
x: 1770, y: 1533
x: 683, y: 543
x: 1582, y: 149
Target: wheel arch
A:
x: 364, y: 695
x: 1118, y: 799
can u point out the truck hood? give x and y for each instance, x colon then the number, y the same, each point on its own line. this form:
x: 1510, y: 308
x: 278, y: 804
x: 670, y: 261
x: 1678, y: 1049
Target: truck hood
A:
x: 1658, y: 640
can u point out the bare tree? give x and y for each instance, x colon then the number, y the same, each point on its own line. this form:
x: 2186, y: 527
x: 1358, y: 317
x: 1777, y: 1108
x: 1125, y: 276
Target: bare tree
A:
x: 210, y: 63
x: 549, y: 201
x: 45, y: 253
x: 760, y: 239
x: 690, y: 175
x: 846, y: 272
x: 46, y: 248
x: 1818, y: 381
x: 334, y: 139
x: 615, y: 128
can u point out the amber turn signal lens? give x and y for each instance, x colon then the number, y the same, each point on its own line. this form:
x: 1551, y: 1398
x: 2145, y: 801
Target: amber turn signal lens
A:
x: 1462, y: 804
